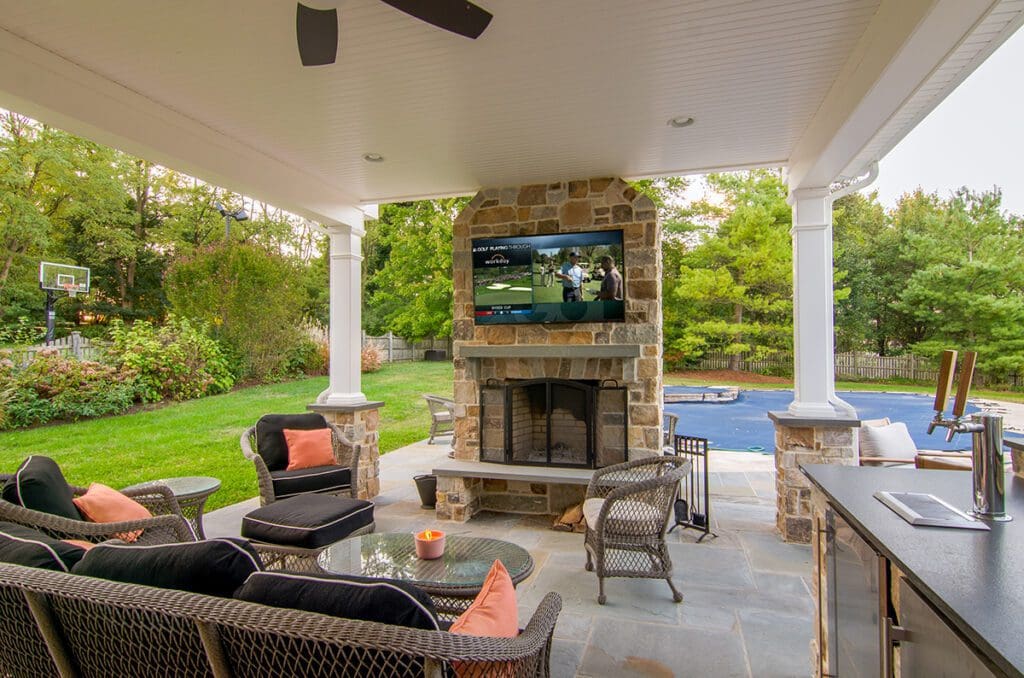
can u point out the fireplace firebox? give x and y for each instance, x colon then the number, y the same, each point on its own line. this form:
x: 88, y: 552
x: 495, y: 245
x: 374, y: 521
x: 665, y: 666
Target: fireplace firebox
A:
x: 554, y: 422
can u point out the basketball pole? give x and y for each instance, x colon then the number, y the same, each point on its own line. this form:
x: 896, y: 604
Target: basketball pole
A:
x: 51, y: 317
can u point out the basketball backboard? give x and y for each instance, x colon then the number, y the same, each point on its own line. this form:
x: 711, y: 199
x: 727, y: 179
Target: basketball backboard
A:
x: 63, y: 278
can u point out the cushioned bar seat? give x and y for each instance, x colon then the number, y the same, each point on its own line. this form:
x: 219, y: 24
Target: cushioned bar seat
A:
x: 308, y: 521
x: 328, y: 479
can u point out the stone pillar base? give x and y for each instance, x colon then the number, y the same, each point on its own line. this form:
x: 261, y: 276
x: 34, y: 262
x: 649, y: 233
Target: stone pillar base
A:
x: 360, y: 423
x: 803, y: 440
x: 458, y: 499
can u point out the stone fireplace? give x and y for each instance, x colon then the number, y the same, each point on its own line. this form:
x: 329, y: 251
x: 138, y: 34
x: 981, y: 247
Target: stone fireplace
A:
x: 553, y: 422
x: 609, y: 371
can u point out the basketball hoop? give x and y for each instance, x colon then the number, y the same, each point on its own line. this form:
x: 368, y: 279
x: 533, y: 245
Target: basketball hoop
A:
x: 71, y: 289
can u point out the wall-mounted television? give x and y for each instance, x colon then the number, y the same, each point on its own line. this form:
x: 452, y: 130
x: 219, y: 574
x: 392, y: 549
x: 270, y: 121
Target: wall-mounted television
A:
x: 557, y: 278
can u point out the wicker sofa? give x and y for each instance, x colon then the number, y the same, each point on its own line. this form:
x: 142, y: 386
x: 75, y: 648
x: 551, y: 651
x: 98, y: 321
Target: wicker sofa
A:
x: 53, y: 623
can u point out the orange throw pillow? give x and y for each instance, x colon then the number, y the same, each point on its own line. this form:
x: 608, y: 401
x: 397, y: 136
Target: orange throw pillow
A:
x: 307, y: 449
x: 492, y: 613
x: 102, y: 504
x: 80, y: 543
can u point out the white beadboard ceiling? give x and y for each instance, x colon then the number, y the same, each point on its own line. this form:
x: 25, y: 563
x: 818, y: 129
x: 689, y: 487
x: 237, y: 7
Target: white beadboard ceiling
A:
x: 553, y: 89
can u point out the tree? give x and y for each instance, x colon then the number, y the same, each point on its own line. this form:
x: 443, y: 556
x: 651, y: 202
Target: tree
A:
x: 410, y: 293
x: 251, y: 298
x: 734, y: 289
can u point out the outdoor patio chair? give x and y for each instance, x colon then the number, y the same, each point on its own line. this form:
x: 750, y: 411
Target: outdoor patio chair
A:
x: 903, y: 452
x: 167, y: 525
x: 627, y: 512
x: 668, y: 433
x: 264, y: 445
x: 442, y: 416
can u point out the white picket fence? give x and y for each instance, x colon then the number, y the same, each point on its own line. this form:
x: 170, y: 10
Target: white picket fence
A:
x: 72, y: 346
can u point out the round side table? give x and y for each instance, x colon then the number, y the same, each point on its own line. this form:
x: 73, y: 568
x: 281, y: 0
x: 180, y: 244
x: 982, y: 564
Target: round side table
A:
x: 191, y: 492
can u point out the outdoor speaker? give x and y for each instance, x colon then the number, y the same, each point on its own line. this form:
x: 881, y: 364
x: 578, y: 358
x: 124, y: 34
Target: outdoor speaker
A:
x: 316, y: 31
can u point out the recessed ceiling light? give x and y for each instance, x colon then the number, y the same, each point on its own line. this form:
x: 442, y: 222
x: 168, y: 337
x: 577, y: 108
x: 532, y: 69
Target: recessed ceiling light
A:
x: 373, y: 157
x: 681, y: 121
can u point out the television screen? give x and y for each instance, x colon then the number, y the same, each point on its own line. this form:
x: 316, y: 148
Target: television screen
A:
x: 564, y: 277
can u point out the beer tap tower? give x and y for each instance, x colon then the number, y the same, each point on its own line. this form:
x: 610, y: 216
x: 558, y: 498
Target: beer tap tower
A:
x: 988, y: 472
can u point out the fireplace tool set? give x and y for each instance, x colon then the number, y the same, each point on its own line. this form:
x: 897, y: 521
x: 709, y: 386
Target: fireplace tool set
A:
x: 692, y: 508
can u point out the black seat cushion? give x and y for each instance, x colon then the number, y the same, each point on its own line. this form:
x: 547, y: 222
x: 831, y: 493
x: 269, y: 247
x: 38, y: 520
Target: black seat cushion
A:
x: 39, y: 485
x: 315, y: 479
x: 270, y: 442
x: 215, y: 567
x: 24, y: 546
x: 307, y: 521
x: 378, y: 600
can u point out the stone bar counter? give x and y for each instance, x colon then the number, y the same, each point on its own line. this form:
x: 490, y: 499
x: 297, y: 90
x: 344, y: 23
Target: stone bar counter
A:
x: 896, y: 599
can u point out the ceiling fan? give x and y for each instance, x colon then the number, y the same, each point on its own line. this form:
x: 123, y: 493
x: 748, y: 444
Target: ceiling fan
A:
x: 317, y: 29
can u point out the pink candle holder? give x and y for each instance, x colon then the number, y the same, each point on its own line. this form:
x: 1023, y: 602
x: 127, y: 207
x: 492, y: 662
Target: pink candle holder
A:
x: 429, y: 544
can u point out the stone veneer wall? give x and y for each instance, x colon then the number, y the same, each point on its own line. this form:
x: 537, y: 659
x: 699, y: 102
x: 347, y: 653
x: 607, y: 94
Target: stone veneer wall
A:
x: 563, y: 207
x: 803, y: 441
x: 359, y: 423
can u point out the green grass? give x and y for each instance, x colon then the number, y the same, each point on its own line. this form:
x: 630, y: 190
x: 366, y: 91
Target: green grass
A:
x: 200, y: 437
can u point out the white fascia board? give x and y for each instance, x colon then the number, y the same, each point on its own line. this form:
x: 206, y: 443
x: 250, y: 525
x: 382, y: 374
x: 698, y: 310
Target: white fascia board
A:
x: 905, y: 42
x: 59, y: 92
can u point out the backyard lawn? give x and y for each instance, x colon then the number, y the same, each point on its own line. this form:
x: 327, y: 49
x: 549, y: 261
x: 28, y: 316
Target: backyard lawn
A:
x: 200, y: 437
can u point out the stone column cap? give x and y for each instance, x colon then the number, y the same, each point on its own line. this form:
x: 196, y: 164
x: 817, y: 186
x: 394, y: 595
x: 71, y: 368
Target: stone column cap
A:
x: 359, y: 407
x: 784, y: 418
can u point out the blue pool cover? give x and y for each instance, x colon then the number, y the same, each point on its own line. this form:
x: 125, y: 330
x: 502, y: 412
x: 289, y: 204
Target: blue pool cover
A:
x: 744, y: 424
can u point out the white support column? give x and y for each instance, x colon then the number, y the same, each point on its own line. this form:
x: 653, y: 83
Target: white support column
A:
x: 345, y: 387
x: 813, y: 323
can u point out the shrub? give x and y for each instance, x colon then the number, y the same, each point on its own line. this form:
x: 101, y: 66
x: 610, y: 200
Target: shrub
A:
x: 21, y: 332
x: 250, y: 298
x: 371, y: 359
x: 53, y: 387
x: 177, y: 360
x: 308, y: 357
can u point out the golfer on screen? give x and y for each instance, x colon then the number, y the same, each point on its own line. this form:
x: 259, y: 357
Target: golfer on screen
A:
x: 572, y: 278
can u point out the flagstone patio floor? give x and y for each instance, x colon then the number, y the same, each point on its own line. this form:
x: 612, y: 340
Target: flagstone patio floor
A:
x: 747, y: 608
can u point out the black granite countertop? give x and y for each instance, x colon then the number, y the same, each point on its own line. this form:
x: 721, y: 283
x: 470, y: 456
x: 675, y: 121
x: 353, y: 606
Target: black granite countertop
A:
x: 975, y: 579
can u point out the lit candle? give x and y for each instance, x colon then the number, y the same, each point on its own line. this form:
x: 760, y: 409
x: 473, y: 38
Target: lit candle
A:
x: 429, y: 544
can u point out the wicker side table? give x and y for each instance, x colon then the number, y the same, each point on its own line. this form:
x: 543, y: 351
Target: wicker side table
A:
x: 191, y: 492
x: 452, y: 581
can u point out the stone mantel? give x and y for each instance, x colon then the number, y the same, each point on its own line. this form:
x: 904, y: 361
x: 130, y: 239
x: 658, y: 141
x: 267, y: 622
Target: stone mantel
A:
x: 549, y: 351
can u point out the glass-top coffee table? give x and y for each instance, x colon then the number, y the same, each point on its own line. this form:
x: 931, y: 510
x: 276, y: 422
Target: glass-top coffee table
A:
x: 452, y: 580
x: 191, y: 492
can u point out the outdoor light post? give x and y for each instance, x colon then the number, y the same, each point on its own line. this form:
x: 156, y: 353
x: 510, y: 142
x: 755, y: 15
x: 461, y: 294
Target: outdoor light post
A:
x: 237, y: 215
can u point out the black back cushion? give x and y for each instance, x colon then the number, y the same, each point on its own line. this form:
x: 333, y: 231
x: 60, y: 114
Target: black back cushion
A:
x: 270, y: 442
x: 215, y: 567
x: 39, y: 485
x: 24, y: 546
x: 379, y: 600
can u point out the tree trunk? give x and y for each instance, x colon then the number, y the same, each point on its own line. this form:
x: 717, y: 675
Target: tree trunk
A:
x: 737, y: 317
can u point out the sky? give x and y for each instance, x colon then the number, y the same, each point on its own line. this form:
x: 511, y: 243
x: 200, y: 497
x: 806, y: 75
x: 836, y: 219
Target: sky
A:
x: 974, y: 138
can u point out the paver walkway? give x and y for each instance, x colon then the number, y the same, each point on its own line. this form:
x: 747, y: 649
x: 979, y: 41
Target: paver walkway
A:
x: 747, y: 609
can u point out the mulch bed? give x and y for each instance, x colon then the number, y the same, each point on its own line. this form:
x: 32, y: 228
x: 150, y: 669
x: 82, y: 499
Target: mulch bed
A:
x: 713, y: 377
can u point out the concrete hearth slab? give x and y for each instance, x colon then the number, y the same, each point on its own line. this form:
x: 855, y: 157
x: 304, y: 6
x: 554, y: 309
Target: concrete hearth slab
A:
x: 526, y: 474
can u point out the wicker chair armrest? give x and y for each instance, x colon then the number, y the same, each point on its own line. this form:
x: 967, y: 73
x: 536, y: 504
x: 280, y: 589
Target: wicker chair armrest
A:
x: 626, y: 492
x: 164, y: 528
x: 266, y: 483
x: 601, y: 486
x: 347, y: 453
x: 158, y: 498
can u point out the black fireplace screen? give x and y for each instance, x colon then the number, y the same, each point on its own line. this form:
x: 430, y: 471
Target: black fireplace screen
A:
x: 553, y: 422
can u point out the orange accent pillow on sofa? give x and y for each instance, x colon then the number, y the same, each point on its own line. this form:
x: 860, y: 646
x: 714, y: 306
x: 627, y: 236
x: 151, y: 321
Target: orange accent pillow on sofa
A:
x: 309, y: 448
x: 102, y: 504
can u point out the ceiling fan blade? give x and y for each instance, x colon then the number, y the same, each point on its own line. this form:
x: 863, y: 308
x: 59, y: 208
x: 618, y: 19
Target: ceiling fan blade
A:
x: 316, y: 31
x: 457, y: 16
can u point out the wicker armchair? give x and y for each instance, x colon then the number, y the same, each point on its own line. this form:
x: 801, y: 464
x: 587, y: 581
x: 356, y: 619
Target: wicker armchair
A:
x: 321, y: 480
x: 668, y: 433
x: 64, y: 624
x: 442, y: 416
x: 627, y: 511
x: 165, y: 527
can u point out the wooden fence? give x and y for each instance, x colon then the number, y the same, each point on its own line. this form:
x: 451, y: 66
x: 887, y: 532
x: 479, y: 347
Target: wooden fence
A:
x: 72, y: 346
x: 853, y: 365
x: 395, y: 349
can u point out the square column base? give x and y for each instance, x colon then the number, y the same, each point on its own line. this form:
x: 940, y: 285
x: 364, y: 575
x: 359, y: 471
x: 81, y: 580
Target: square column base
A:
x: 803, y: 440
x: 360, y: 423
